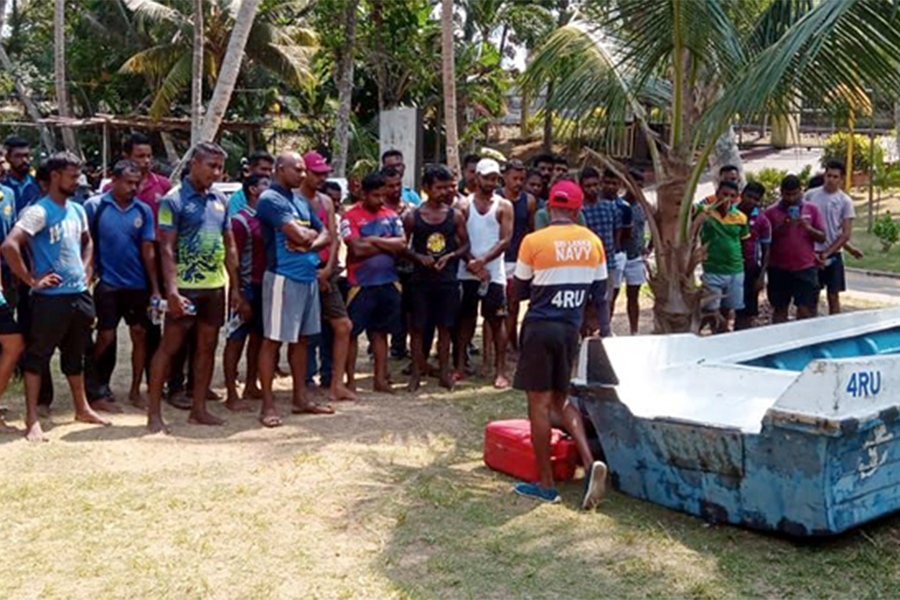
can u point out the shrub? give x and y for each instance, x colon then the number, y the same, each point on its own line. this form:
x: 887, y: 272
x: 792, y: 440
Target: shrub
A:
x: 771, y: 179
x: 836, y: 149
x: 886, y: 230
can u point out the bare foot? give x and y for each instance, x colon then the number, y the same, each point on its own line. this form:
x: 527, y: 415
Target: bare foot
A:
x: 156, y: 425
x: 383, y: 387
x: 340, y: 392
x: 501, y: 383
x: 236, y: 405
x: 270, y: 418
x: 137, y: 400
x: 351, y: 385
x: 7, y: 428
x: 204, y: 418
x: 34, y: 433
x: 252, y: 393
x: 89, y: 416
x: 414, y: 384
x: 279, y: 372
x: 106, y: 405
x: 312, y: 408
x: 448, y: 381
x: 211, y: 395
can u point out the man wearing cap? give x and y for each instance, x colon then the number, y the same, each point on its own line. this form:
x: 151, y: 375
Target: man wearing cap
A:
x: 564, y: 265
x: 334, y: 312
x: 489, y: 225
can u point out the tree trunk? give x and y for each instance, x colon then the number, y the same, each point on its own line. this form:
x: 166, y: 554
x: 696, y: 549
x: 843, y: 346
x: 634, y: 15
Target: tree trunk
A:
x: 548, y: 119
x: 22, y: 91
x: 171, y: 152
x: 380, y: 72
x: 231, y: 67
x: 449, y: 74
x: 897, y: 126
x: 341, y: 143
x: 59, y: 67
x: 197, y: 74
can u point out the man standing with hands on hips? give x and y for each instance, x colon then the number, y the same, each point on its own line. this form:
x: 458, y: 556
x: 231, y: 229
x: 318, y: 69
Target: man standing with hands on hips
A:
x: 564, y: 265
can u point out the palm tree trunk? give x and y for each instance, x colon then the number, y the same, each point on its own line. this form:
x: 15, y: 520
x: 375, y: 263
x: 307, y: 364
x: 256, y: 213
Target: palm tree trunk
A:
x: 22, y: 91
x: 59, y: 63
x: 231, y: 67
x: 197, y: 74
x: 548, y: 119
x: 449, y: 74
x: 341, y: 143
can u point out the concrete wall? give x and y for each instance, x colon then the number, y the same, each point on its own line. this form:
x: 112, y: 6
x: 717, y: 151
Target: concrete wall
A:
x: 401, y: 129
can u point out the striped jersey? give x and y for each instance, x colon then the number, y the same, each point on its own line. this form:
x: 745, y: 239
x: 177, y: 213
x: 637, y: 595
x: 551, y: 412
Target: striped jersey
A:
x: 562, y: 262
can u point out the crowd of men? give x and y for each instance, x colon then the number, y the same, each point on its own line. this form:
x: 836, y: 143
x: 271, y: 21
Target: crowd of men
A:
x: 286, y: 260
x: 792, y: 249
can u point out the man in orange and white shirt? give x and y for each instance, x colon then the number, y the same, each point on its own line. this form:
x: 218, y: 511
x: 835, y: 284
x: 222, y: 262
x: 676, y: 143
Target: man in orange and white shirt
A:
x: 565, y: 265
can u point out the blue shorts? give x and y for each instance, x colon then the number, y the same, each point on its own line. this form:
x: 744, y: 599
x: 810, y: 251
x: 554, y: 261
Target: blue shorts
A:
x: 254, y: 295
x: 375, y: 309
x: 290, y: 308
x: 721, y: 290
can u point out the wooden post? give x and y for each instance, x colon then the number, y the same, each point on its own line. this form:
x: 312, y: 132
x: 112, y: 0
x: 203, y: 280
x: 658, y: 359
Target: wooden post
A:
x: 849, y: 175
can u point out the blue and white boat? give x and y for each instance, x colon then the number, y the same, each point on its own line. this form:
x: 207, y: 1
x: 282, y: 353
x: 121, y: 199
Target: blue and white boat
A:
x: 792, y: 428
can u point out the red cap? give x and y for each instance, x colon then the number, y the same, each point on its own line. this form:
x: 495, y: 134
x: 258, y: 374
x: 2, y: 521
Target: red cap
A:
x: 566, y: 194
x: 316, y: 163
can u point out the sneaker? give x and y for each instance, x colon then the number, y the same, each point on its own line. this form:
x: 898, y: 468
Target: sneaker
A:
x: 535, y: 491
x: 594, y: 485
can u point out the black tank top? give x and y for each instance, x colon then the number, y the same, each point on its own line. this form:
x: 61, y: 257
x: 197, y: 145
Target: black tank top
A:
x: 520, y: 227
x: 436, y: 240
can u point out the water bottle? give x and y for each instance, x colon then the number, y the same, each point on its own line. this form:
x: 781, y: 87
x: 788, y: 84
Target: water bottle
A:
x: 190, y: 309
x: 484, y: 287
x: 157, y: 310
x: 235, y: 322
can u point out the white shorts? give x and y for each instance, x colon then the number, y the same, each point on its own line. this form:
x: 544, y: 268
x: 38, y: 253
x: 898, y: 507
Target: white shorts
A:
x: 618, y: 269
x: 290, y: 308
x: 635, y: 272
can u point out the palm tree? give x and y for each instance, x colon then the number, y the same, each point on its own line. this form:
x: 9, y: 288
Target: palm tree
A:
x: 449, y: 76
x: 345, y: 61
x: 231, y: 67
x: 59, y: 70
x: 277, y: 41
x: 688, y: 55
x: 197, y: 73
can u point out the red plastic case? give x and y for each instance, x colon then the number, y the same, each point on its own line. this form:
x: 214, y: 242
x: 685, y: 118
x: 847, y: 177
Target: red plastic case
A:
x: 508, y: 449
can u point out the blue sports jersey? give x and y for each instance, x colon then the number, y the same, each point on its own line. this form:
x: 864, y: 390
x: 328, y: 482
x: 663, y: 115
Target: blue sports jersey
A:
x: 410, y: 196
x: 7, y: 221
x: 276, y: 208
x: 118, y: 235
x: 27, y: 191
x: 237, y: 202
x: 56, y: 233
x: 201, y: 221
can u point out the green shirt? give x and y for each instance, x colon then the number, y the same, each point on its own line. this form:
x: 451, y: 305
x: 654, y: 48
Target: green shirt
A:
x: 542, y: 219
x: 722, y: 235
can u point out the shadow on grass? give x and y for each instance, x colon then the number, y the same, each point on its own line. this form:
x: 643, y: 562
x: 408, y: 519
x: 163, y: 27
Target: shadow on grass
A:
x: 460, y: 532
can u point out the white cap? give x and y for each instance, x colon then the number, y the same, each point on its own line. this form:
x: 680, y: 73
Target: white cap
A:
x: 487, y: 166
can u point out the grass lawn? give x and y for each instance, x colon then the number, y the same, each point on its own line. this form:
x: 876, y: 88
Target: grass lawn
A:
x: 875, y: 257
x: 387, y: 499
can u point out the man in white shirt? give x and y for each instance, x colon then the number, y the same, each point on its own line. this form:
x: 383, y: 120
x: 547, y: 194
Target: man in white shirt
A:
x: 838, y: 212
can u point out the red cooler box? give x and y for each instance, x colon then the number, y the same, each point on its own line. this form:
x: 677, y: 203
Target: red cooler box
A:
x: 508, y: 449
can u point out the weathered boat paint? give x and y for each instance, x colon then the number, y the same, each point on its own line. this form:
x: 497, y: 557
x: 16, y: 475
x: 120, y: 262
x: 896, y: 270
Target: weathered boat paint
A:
x: 792, y: 428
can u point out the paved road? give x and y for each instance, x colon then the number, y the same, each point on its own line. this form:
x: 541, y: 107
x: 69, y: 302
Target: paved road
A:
x: 879, y: 288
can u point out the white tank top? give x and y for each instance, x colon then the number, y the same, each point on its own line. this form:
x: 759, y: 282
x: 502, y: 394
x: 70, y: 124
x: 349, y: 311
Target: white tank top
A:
x: 484, y: 231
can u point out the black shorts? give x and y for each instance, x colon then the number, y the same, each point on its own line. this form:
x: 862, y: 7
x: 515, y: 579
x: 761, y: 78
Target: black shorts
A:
x: 209, y: 306
x: 493, y: 304
x: 8, y: 323
x: 751, y: 294
x: 375, y: 309
x: 253, y: 295
x: 800, y: 286
x: 115, y: 304
x: 831, y: 276
x: 332, y: 300
x: 61, y: 321
x: 435, y: 304
x: 547, y: 353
